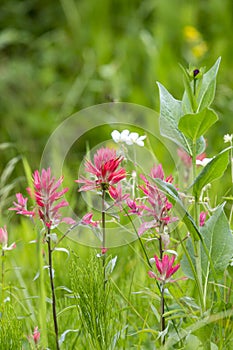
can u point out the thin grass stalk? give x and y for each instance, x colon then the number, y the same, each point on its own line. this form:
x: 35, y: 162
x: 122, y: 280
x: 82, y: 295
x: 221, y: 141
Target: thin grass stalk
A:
x: 3, y: 275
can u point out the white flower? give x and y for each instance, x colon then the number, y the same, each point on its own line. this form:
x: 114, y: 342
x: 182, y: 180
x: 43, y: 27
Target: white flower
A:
x: 203, y: 162
x: 120, y: 136
x: 228, y: 138
x: 135, y: 138
x: 128, y: 138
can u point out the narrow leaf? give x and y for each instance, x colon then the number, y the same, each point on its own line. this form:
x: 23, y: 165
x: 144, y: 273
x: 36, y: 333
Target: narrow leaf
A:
x: 207, y: 89
x: 8, y: 170
x: 63, y: 336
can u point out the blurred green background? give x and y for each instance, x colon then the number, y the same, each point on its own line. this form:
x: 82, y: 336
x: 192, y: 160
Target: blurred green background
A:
x: 58, y: 57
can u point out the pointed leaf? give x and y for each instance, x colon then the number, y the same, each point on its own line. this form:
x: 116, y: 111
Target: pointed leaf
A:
x: 196, y: 125
x: 207, y: 90
x: 212, y: 171
x: 170, y: 114
x: 219, y: 242
x: 110, y: 266
x: 63, y: 336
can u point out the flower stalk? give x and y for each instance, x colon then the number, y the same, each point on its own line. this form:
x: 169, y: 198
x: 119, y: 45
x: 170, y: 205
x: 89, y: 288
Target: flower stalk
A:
x: 103, y: 236
x: 52, y: 289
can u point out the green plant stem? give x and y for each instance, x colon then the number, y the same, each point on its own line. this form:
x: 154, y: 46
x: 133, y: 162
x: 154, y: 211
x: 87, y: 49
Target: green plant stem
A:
x: 231, y: 160
x: 42, y: 306
x: 52, y: 290
x: 162, y: 318
x: 3, y: 274
x: 162, y: 304
x: 104, y: 236
x: 139, y: 238
x: 197, y: 244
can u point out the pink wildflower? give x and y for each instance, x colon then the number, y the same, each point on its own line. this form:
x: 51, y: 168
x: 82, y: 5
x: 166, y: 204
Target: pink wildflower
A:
x: 157, y: 206
x: 104, y: 170
x: 104, y: 250
x: 165, y: 269
x: 87, y: 220
x: 118, y: 196
x: 21, y: 206
x: 4, y: 239
x: 134, y: 207
x: 36, y: 335
x: 202, y: 218
x: 46, y: 195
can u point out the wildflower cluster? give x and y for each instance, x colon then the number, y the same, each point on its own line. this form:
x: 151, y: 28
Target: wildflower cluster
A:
x: 46, y: 195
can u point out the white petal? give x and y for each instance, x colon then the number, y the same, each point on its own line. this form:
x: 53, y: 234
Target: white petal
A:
x: 203, y: 162
x: 116, y: 136
x: 141, y: 138
x: 133, y: 136
x: 140, y: 143
x: 124, y: 135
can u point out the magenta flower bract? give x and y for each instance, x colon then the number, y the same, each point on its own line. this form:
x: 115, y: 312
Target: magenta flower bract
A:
x: 202, y: 218
x: 165, y: 269
x: 87, y: 220
x: 4, y: 239
x: 46, y: 195
x: 21, y: 206
x: 157, y: 206
x: 36, y: 335
x: 3, y: 235
x: 104, y: 172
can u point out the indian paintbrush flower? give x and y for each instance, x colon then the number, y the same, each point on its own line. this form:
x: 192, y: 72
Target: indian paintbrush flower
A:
x: 202, y: 218
x: 36, y: 335
x: 105, y: 172
x: 4, y: 239
x: 165, y: 269
x: 46, y: 195
x: 157, y: 206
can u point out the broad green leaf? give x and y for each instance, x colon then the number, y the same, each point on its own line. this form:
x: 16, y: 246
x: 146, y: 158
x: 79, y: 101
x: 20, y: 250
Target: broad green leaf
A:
x: 212, y: 171
x: 173, y: 196
x: 170, y: 114
x: 219, y: 241
x: 207, y: 88
x: 196, y: 125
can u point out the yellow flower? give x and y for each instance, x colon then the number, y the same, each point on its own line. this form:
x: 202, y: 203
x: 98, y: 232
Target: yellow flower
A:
x: 191, y: 34
x: 199, y: 50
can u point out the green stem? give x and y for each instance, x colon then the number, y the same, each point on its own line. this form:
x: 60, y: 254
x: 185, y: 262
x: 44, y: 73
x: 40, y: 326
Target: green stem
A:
x: 104, y: 236
x: 3, y: 273
x: 197, y: 244
x: 42, y: 299
x: 139, y: 238
x: 162, y: 318
x: 231, y: 155
x: 52, y: 290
